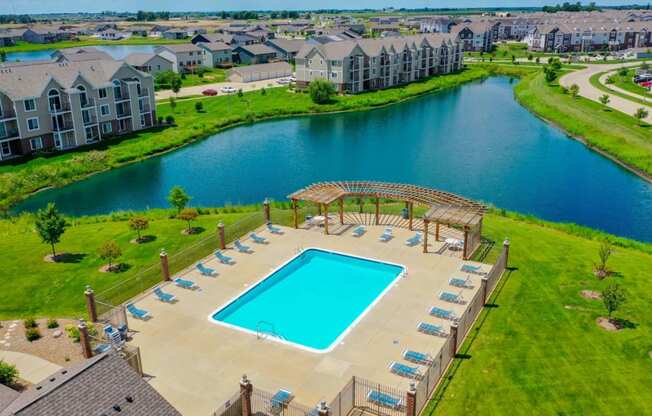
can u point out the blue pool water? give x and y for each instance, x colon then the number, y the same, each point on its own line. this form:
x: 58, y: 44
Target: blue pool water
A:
x: 312, y: 300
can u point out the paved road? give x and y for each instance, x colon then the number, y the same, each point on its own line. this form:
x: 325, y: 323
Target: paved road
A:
x: 197, y: 90
x: 581, y: 78
x: 603, y: 81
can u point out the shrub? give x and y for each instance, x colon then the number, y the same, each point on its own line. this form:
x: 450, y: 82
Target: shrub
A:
x: 199, y: 106
x: 613, y: 297
x: 32, y: 334
x: 321, y: 91
x: 169, y: 120
x: 53, y: 323
x: 240, y: 93
x: 160, y: 119
x: 8, y: 373
x: 73, y: 332
x: 574, y: 90
x: 30, y: 323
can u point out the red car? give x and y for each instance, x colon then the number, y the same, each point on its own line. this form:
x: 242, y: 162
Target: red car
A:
x: 209, y: 92
x: 646, y: 84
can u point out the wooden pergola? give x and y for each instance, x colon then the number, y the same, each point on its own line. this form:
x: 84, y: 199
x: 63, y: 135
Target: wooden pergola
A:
x: 444, y: 208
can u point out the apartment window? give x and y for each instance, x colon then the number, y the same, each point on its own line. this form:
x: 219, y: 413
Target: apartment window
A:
x: 30, y: 105
x: 107, y: 128
x: 117, y: 90
x: 105, y: 110
x: 122, y: 124
x: 333, y: 74
x: 32, y: 124
x: 3, y: 130
x: 89, y: 132
x: 102, y: 92
x: 142, y: 120
x: 36, y: 143
x: 6, y: 149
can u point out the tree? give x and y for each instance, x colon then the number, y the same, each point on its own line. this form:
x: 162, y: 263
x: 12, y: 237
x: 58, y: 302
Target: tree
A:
x: 574, y: 90
x: 173, y: 104
x: 138, y: 224
x: 641, y: 114
x: 188, y: 215
x: 109, y: 251
x: 604, y: 99
x: 613, y: 297
x: 321, y: 91
x: 50, y: 225
x: 550, y: 74
x: 199, y: 106
x: 604, y: 252
x: 8, y: 373
x: 537, y: 60
x: 530, y: 57
x: 178, y: 198
x: 175, y: 85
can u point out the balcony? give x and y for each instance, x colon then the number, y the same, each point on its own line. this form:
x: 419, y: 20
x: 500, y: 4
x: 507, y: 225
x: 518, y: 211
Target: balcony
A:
x: 123, y: 113
x: 62, y: 108
x: 8, y: 133
x: 7, y: 114
x: 61, y: 127
x: 144, y: 92
x: 87, y: 103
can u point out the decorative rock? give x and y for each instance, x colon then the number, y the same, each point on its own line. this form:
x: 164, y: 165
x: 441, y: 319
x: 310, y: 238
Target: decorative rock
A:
x: 57, y: 333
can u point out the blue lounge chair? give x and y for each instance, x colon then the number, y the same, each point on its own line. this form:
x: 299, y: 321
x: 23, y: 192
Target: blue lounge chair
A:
x: 459, y: 282
x: 162, y: 296
x: 450, y: 297
x: 405, y: 370
x: 137, y: 313
x: 113, y: 335
x: 468, y: 268
x: 274, y: 230
x: 387, y: 235
x: 241, y: 247
x: 443, y: 313
x: 384, y: 399
x: 280, y: 399
x: 359, y: 231
x: 417, y: 357
x: 101, y: 348
x: 186, y: 284
x: 222, y: 258
x: 431, y: 329
x: 206, y: 271
x: 257, y: 239
x: 413, y: 241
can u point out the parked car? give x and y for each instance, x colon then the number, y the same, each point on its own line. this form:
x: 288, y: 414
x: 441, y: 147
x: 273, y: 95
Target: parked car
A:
x: 642, y: 78
x: 210, y: 92
x: 228, y: 90
x: 292, y: 79
x: 283, y: 81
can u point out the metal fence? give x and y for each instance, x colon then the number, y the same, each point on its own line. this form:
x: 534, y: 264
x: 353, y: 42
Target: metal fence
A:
x: 343, y: 403
x: 232, y: 407
x: 366, y: 396
x: 262, y: 403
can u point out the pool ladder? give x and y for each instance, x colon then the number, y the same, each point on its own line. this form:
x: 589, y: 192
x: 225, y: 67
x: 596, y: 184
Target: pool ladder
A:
x: 262, y: 333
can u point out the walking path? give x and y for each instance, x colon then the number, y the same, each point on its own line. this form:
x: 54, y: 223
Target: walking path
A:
x: 603, y: 81
x: 30, y: 368
x: 582, y: 79
x: 197, y: 90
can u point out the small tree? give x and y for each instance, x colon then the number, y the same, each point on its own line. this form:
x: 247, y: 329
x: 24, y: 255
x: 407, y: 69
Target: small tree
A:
x: 604, y: 252
x: 604, y: 99
x: 530, y: 57
x: 263, y: 91
x: 574, y: 90
x: 138, y: 224
x: 537, y: 60
x: 188, y: 215
x: 173, y: 104
x: 109, y: 251
x: 50, y: 225
x: 199, y: 106
x: 550, y: 74
x: 641, y: 114
x: 613, y: 297
x: 321, y: 91
x: 175, y: 85
x: 8, y: 373
x: 178, y: 198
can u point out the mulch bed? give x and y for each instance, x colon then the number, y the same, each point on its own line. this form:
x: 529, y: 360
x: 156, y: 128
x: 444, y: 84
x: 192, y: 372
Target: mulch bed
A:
x: 609, y: 324
x: 591, y: 294
x: 59, y: 350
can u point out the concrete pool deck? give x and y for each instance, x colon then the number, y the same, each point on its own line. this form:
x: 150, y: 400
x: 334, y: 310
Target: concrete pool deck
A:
x: 197, y: 364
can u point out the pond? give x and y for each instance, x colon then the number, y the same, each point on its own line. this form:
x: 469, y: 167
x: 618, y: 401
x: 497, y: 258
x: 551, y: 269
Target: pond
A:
x: 116, y: 51
x: 475, y: 140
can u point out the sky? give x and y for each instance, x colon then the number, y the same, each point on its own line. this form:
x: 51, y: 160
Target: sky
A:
x: 59, y: 6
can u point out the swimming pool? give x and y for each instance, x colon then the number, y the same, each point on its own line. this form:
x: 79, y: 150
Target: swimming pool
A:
x: 312, y: 300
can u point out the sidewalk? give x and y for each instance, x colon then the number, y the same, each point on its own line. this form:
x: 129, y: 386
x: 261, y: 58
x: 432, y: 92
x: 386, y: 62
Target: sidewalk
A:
x: 30, y: 368
x: 197, y: 90
x: 603, y: 81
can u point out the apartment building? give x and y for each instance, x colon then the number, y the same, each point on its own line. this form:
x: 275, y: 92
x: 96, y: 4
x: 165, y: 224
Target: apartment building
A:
x: 368, y: 64
x: 185, y: 57
x: 46, y: 106
x: 476, y: 36
x: 589, y: 36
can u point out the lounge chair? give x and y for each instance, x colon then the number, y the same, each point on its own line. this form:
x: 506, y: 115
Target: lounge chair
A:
x: 101, y: 348
x: 405, y: 370
x: 450, y: 297
x: 137, y: 313
x: 113, y: 335
x: 443, y: 313
x: 417, y: 357
x: 459, y: 282
x: 384, y: 399
x: 186, y: 284
x: 241, y: 247
x: 222, y: 258
x: 413, y: 241
x: 387, y: 235
x: 359, y: 231
x: 274, y: 230
x: 206, y: 271
x: 279, y: 400
x: 162, y: 296
x: 257, y: 239
x: 431, y: 329
x: 468, y: 268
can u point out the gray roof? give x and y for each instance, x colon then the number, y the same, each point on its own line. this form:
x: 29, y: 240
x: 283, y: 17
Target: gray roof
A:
x: 140, y: 59
x: 182, y: 47
x: 91, y: 388
x: 257, y: 49
x: 271, y: 67
x: 287, y: 45
x: 7, y: 396
x: 214, y: 46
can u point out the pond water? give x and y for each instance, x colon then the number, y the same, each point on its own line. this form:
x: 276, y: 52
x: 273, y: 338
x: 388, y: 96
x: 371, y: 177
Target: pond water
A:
x: 116, y: 51
x: 475, y: 140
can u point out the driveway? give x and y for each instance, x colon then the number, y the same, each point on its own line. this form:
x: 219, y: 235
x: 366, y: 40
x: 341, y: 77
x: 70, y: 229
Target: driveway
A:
x: 197, y: 90
x: 581, y: 78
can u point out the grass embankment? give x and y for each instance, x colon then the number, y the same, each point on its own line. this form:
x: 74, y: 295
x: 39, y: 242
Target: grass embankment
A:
x: 537, y: 348
x: 595, y: 81
x: 18, y: 181
x: 611, y: 132
x: 23, y: 46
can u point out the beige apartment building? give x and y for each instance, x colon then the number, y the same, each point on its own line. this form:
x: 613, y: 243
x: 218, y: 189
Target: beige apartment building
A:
x: 49, y: 106
x: 367, y: 64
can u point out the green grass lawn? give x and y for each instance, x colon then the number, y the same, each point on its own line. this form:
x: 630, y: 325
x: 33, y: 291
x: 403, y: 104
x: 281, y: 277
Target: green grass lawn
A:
x: 507, y: 50
x: 595, y: 81
x: 627, y: 83
x: 208, y: 76
x: 22, y: 46
x: 538, y: 351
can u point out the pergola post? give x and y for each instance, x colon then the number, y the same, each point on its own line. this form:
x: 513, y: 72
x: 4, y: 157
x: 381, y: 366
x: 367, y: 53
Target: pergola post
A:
x: 425, y: 235
x: 410, y: 213
x: 296, y: 215
x: 341, y: 211
x: 326, y: 219
x: 377, y: 210
x: 437, y: 231
x: 318, y: 208
x: 466, y: 241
